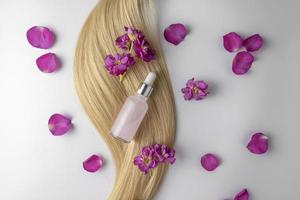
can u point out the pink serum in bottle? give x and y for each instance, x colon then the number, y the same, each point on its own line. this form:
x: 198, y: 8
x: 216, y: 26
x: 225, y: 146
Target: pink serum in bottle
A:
x: 133, y: 111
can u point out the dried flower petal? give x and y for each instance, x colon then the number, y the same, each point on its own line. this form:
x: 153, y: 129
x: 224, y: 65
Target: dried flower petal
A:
x: 123, y: 42
x: 118, y: 64
x: 59, y: 124
x: 40, y: 37
x: 48, y: 63
x: 242, y: 195
x: 210, y: 162
x: 175, y: 33
x: 164, y: 154
x: 93, y: 163
x: 253, y: 43
x: 232, y: 42
x: 195, y: 89
x: 242, y: 62
x: 258, y: 143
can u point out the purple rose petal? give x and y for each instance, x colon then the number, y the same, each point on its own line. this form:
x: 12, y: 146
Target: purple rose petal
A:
x: 175, y: 33
x: 232, y: 42
x: 210, y: 162
x: 59, y: 124
x: 40, y: 37
x: 242, y: 195
x: 258, y: 143
x: 48, y: 63
x: 242, y: 62
x: 93, y: 163
x: 253, y: 43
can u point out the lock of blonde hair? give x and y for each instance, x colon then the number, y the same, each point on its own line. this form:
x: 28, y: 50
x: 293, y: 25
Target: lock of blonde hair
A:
x: 102, y: 95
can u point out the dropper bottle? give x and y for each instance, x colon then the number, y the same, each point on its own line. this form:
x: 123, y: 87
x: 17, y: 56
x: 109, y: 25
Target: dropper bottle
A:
x: 133, y: 111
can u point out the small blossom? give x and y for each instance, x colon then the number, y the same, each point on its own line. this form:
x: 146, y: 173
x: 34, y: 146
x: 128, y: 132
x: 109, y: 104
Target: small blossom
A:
x: 123, y: 42
x: 59, y: 124
x: 195, y: 89
x: 258, y: 143
x: 253, y: 43
x: 151, y: 156
x: 40, y: 37
x: 48, y: 63
x: 145, y: 161
x: 242, y: 195
x: 93, y: 163
x: 242, y: 62
x: 232, y: 42
x: 143, y: 50
x: 210, y: 162
x: 134, y: 34
x: 163, y: 153
x: 118, y: 64
x: 175, y: 33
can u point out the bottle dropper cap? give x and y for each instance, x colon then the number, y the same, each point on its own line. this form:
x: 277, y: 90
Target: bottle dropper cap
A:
x: 146, y: 88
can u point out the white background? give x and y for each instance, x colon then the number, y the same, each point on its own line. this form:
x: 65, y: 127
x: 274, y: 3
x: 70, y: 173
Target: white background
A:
x: 35, y: 165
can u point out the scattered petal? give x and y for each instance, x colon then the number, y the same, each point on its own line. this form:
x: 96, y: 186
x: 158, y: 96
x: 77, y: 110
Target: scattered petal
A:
x: 210, y: 162
x: 118, y: 64
x: 40, y: 37
x: 175, y: 33
x: 232, y: 42
x: 93, y: 163
x: 48, y: 63
x: 253, y: 43
x: 258, y: 143
x: 242, y: 195
x: 195, y: 90
x: 59, y: 124
x: 242, y: 62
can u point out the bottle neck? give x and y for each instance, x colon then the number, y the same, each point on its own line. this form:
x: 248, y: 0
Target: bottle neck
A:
x: 145, y: 90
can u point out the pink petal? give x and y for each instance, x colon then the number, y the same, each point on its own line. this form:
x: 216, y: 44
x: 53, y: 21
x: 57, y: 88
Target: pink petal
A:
x: 258, y: 143
x: 48, y: 63
x: 59, y: 124
x: 242, y: 195
x: 242, y: 62
x: 93, y: 163
x: 40, y: 37
x: 253, y: 43
x: 232, y: 42
x: 175, y: 33
x: 210, y: 162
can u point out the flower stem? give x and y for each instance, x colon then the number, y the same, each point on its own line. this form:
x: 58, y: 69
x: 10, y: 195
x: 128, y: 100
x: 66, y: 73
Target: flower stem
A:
x: 121, y: 77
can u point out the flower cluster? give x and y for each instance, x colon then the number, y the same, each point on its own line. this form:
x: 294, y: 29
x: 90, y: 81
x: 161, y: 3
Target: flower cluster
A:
x: 242, y: 62
x: 134, y: 46
x: 151, y: 156
x: 195, y: 90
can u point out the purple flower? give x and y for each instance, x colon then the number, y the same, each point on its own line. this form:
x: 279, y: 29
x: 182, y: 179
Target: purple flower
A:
x: 163, y: 153
x: 195, y: 89
x: 123, y: 42
x: 258, y: 143
x: 253, y: 43
x: 143, y: 50
x: 40, y: 37
x: 175, y: 33
x: 145, y: 161
x: 118, y: 64
x: 59, y: 124
x: 242, y: 62
x: 48, y: 63
x: 210, y: 162
x: 93, y: 163
x: 232, y: 42
x: 134, y: 34
x: 242, y: 195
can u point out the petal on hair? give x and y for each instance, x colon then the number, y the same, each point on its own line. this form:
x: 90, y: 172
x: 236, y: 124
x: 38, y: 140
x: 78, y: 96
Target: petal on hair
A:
x: 48, y: 63
x: 40, y: 37
x: 59, y: 124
